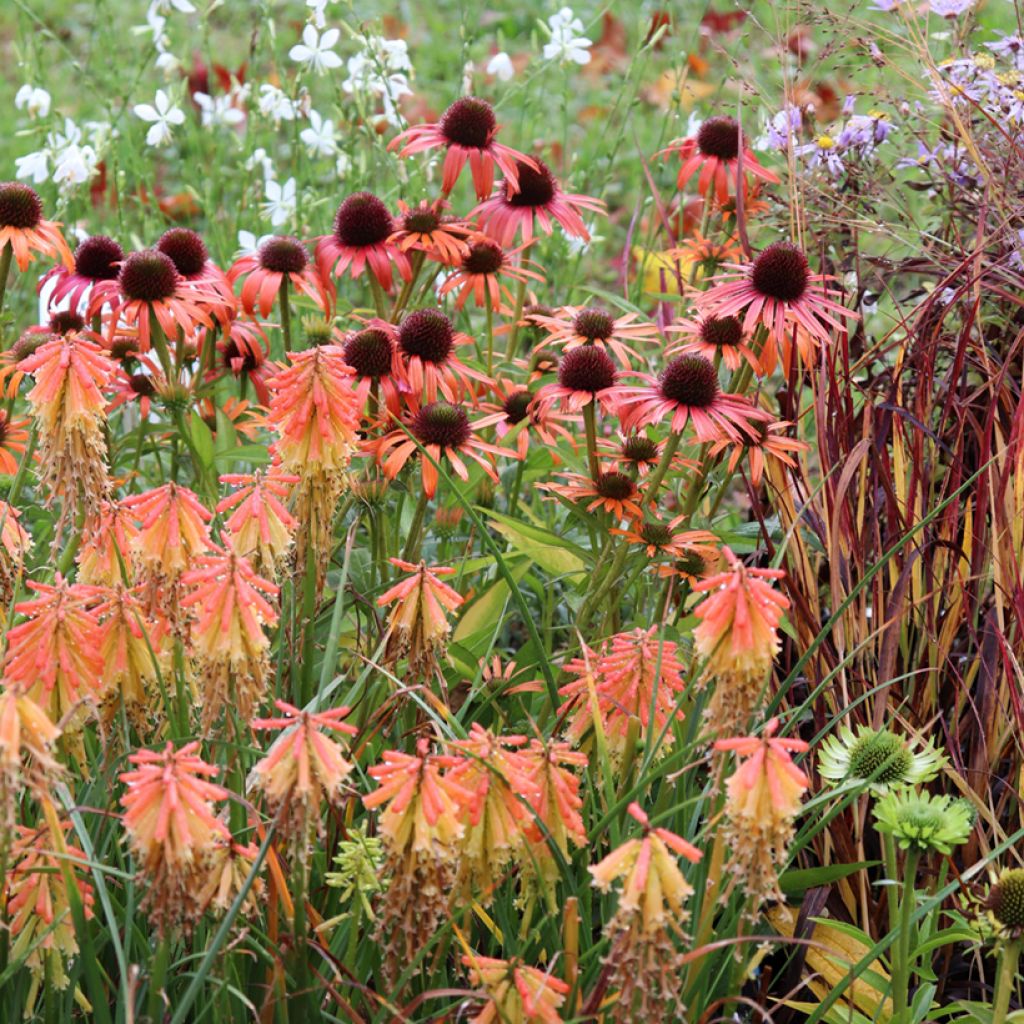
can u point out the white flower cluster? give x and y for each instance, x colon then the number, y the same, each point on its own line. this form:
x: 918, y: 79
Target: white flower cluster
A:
x: 567, y: 44
x: 70, y: 157
x: 380, y: 71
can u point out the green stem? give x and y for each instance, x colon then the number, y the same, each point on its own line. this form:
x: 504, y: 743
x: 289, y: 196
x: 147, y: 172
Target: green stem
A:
x: 5, y: 272
x: 286, y: 314
x: 655, y: 479
x: 513, y: 334
x: 155, y: 1002
x: 403, y: 298
x: 1009, y: 956
x: 901, y: 956
x: 380, y: 300
x: 489, y: 314
x: 412, y: 545
x: 590, y: 423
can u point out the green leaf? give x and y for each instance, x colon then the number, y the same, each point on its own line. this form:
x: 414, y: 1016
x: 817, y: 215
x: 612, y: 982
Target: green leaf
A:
x: 202, y: 440
x: 484, y: 612
x: 552, y: 553
x: 802, y: 879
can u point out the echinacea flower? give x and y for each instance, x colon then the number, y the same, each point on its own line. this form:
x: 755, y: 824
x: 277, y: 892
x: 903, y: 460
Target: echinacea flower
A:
x: 665, y: 540
x: 91, y: 280
x: 714, y: 152
x: 361, y: 239
x: 633, y: 676
x: 279, y: 262
x: 421, y: 826
x: 23, y: 228
x: 515, y: 992
x: 877, y: 758
x: 304, y: 768
x: 424, y: 229
x: 778, y: 290
x: 1005, y: 903
x: 151, y: 292
x: 498, y: 776
x: 13, y: 436
x: 242, y: 351
x: 371, y: 354
x: 922, y: 822
x: 53, y: 655
x: 169, y: 817
x: 762, y: 798
x: 418, y: 626
x: 536, y: 200
x: 517, y: 405
x: 198, y: 273
x: 585, y: 374
x: 425, y: 358
x: 260, y: 526
x: 479, y: 272
x: 438, y: 432
x: 715, y: 337
x: 231, y: 608
x: 687, y: 391
x: 768, y: 443
x: 467, y: 132
x: 612, y: 492
x: 573, y: 326
x: 643, y: 963
x: 39, y: 919
x: 141, y: 386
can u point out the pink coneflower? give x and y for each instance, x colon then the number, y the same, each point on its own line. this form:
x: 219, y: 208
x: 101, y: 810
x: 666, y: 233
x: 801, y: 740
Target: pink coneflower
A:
x: 667, y: 541
x: 467, y: 132
x: 445, y: 432
x: 13, y: 436
x: 611, y: 491
x: 480, y: 271
x: 198, y: 272
x: 517, y: 405
x: 92, y: 277
x: 764, y: 796
x: 538, y: 201
x: 425, y: 359
x: 149, y: 287
x: 243, y: 352
x: 687, y: 391
x: 423, y: 228
x: 371, y: 354
x: 23, y: 228
x: 277, y: 260
x: 779, y: 292
x: 362, y: 237
x: 141, y: 386
x: 769, y: 443
x: 714, y: 336
x: 714, y: 151
x: 573, y: 326
x: 585, y: 374
x: 637, y: 453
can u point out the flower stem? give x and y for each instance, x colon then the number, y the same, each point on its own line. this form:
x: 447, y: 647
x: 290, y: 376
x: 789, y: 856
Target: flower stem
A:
x: 380, y: 300
x: 286, y: 314
x: 412, y: 544
x: 901, y: 948
x: 590, y: 423
x: 403, y: 297
x: 1009, y: 956
x: 513, y: 334
x: 489, y: 313
x: 5, y: 272
x: 671, y: 447
x: 155, y: 1003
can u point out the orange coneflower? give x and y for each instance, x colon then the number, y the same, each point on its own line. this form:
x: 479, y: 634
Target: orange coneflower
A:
x: 660, y: 539
x: 715, y: 337
x: 28, y: 740
x: 53, y: 655
x: 421, y: 828
x: 13, y: 436
x: 142, y: 386
x: 231, y: 608
x: 276, y: 261
x: 362, y: 238
x: 150, y: 290
x: 768, y: 443
x: 534, y: 200
x: 425, y: 360
x: 763, y: 796
x: 108, y: 537
x: 738, y: 636
x: 687, y: 391
x: 135, y: 650
x: 260, y: 526
x: 518, y: 405
x: 637, y: 454
x: 515, y: 992
x: 573, y: 326
x: 67, y: 403
x: 715, y: 152
x: 168, y: 813
x: 424, y: 229
x: 243, y: 352
x: 479, y: 273
x: 418, y: 626
x: 495, y: 820
x: 39, y: 915
x: 611, y: 491
x: 23, y: 229
x: 630, y: 677
x: 303, y: 769
x: 198, y: 273
x: 466, y: 131
x: 90, y: 280
x: 585, y: 374
x: 644, y: 964
x: 444, y: 432
x: 778, y: 292
x: 371, y: 354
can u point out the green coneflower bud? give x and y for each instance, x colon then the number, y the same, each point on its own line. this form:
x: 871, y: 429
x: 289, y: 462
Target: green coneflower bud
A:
x: 922, y: 822
x: 1006, y: 900
x: 317, y: 331
x: 878, y: 758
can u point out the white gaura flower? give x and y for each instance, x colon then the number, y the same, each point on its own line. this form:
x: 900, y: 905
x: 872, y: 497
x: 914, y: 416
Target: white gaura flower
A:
x: 342, y: 166
x: 275, y: 104
x: 248, y: 243
x: 379, y: 72
x: 566, y: 42
x: 500, y: 65
x: 317, y: 9
x: 166, y: 6
x: 75, y: 166
x: 319, y: 137
x: 280, y: 201
x: 316, y: 51
x: 33, y: 100
x: 261, y: 159
x: 34, y: 167
x: 218, y: 110
x: 162, y: 117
